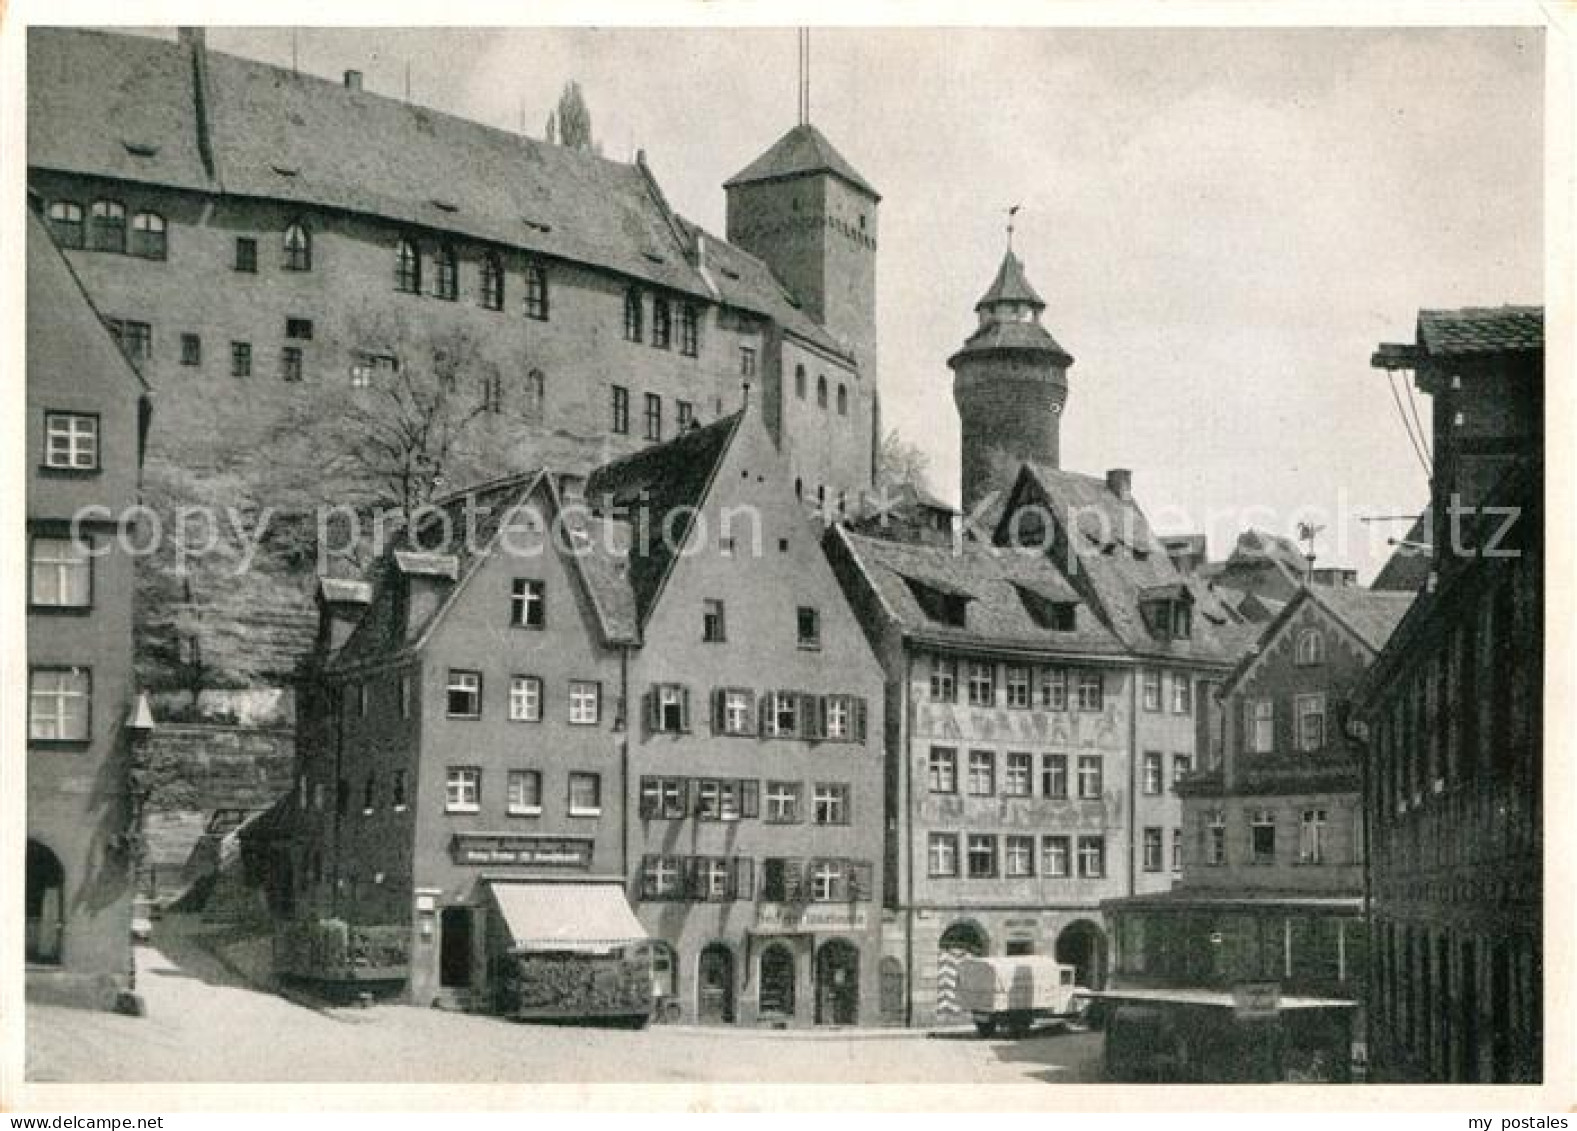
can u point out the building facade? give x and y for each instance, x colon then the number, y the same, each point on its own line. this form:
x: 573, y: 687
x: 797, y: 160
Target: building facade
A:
x: 1454, y: 710
x: 1272, y: 879
x: 87, y: 412
x: 474, y: 720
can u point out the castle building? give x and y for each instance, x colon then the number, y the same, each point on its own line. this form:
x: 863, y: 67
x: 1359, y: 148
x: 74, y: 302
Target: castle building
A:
x: 649, y: 677
x: 1046, y: 686
x: 258, y: 239
x: 87, y: 414
x: 1454, y: 713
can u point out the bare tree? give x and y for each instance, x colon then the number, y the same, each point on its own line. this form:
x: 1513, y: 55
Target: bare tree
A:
x: 901, y: 463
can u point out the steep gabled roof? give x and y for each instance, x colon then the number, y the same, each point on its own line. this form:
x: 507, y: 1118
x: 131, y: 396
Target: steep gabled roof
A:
x: 1011, y: 285
x: 660, y: 481
x: 1369, y: 617
x: 802, y: 151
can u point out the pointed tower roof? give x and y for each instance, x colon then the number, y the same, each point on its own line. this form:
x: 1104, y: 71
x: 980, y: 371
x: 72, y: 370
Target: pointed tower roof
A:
x: 803, y: 150
x: 1010, y: 285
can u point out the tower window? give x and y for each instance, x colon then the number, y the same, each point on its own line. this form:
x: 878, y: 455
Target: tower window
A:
x: 799, y: 381
x: 298, y: 248
x: 492, y: 281
x: 821, y: 391
x: 843, y: 399
x: 408, y: 267
x: 447, y: 284
x: 537, y: 293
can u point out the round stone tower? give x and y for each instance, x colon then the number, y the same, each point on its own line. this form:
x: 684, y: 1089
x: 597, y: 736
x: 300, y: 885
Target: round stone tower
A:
x: 1010, y: 382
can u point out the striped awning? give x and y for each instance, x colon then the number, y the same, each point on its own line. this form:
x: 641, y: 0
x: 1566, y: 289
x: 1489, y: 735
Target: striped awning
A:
x: 566, y: 915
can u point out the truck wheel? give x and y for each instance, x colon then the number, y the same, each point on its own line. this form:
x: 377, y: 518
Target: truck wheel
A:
x: 986, y: 1027
x: 1019, y: 1024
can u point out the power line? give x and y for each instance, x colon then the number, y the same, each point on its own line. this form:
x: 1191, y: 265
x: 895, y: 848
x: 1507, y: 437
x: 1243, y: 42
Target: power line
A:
x: 1402, y: 412
x: 1423, y: 438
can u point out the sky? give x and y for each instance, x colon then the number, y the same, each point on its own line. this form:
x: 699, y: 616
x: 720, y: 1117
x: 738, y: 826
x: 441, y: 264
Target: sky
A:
x: 1223, y: 223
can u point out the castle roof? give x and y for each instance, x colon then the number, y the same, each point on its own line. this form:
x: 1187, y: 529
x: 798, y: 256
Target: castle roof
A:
x: 1012, y: 337
x: 1010, y: 285
x: 134, y: 108
x: 803, y: 151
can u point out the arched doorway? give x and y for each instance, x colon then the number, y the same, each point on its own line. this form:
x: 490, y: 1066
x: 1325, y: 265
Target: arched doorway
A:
x: 776, y: 997
x: 837, y: 983
x: 963, y: 939
x: 892, y: 987
x: 1082, y: 945
x: 715, y: 985
x: 46, y: 904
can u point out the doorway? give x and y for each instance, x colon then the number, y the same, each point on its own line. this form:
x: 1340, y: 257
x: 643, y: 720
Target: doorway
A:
x: 777, y: 981
x: 454, y: 948
x: 892, y: 991
x: 1082, y: 945
x: 46, y: 904
x: 715, y: 986
x: 837, y: 983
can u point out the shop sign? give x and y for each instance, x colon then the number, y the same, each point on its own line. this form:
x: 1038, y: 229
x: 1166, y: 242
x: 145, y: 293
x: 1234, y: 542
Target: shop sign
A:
x: 508, y: 848
x: 794, y: 918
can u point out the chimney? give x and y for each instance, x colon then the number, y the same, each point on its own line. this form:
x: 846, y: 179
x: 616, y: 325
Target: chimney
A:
x: 341, y: 604
x: 352, y: 80
x: 1119, y: 481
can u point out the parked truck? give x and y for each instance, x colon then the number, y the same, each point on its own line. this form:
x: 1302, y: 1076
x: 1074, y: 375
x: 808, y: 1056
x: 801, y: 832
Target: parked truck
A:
x: 1014, y: 993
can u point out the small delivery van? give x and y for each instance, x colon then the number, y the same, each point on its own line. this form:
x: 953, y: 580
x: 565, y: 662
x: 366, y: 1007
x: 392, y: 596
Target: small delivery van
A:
x: 1013, y: 993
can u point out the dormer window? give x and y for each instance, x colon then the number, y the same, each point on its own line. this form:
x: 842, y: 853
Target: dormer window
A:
x: 940, y: 602
x: 1048, y: 612
x: 1168, y: 611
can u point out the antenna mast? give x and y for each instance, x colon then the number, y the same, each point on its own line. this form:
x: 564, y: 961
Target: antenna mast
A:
x: 804, y: 76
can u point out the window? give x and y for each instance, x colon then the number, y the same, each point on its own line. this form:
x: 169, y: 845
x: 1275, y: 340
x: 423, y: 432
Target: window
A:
x: 982, y: 773
x: 712, y: 875
x: 299, y: 329
x: 1054, y: 689
x: 341, y: 798
x: 71, y: 440
x: 396, y: 790
x: 585, y: 701
x: 1090, y: 691
x: 837, y: 718
x: 654, y: 417
x: 944, y: 679
x: 981, y: 853
x: 463, y: 790
x: 669, y: 707
x: 799, y: 381
x: 660, y: 877
x: 525, y: 699
x: 733, y: 710
x: 1054, y: 775
x: 298, y: 248
x: 1090, y: 784
x: 148, y: 239
x: 369, y: 795
x: 1311, y: 647
x: 1311, y: 723
x: 361, y: 700
x: 942, y: 854
x: 1260, y: 722
x: 59, y: 704
x: 1152, y: 690
x: 663, y: 797
x: 1262, y: 836
x: 107, y: 231
x: 942, y: 769
x: 634, y: 314
x: 1152, y: 849
x: 1177, y: 850
x: 662, y: 323
x: 747, y: 361
x: 830, y: 804
x: 585, y: 794
x: 982, y: 683
x: 684, y: 415
x: 1017, y: 771
x: 807, y: 621
x: 290, y: 363
x: 240, y: 359
x: 713, y: 627
x: 843, y: 399
x: 1092, y: 857
x: 527, y: 607
x: 718, y: 800
x: 245, y: 255
x: 621, y: 410
x: 782, y: 715
x: 821, y: 391
x: 61, y: 575
x: 408, y: 267
x: 464, y: 694
x: 1182, y: 766
x: 827, y: 880
x: 446, y: 269
x: 537, y: 293
x: 689, y: 330
x: 65, y: 223
x: 1017, y: 681
x: 524, y: 797
x: 1018, y: 856
x: 191, y: 349
x: 1056, y: 856
x: 134, y: 338
x: 1182, y: 694
x: 1153, y: 783
x: 492, y: 281
x: 1311, y: 837
x: 1216, y: 837
x: 783, y: 802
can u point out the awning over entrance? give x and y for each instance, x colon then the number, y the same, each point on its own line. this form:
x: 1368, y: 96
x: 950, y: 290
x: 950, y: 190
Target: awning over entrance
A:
x: 571, y: 915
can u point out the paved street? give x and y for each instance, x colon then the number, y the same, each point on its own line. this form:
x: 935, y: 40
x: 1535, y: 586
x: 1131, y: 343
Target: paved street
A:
x: 204, y: 1024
